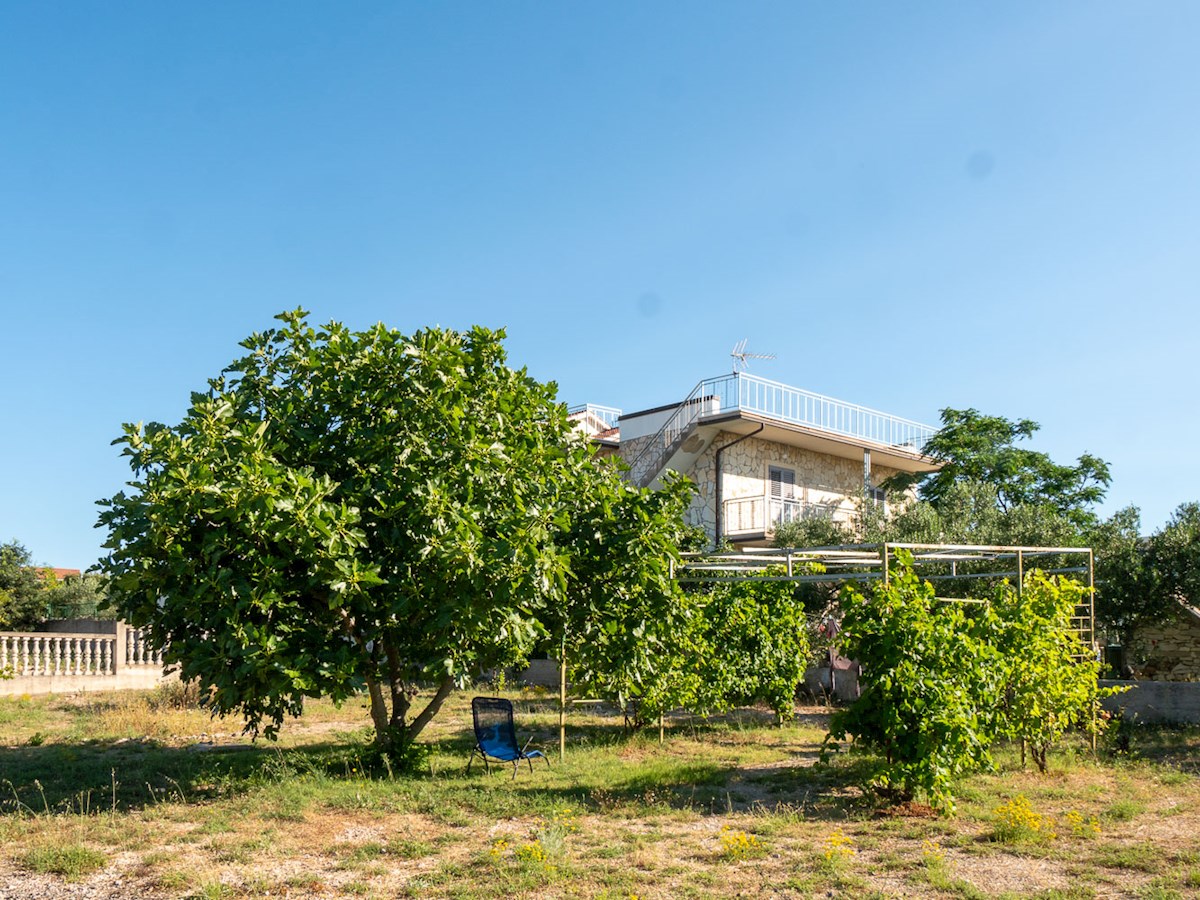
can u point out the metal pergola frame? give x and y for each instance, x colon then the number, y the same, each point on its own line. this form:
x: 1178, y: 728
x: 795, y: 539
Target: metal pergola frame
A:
x: 847, y: 563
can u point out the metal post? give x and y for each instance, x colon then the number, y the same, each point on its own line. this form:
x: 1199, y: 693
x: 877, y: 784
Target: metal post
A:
x: 562, y: 699
x: 1020, y: 572
x: 1092, y: 629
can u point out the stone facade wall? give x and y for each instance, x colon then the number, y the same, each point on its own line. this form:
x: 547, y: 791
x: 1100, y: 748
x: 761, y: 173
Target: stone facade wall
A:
x: 1169, y: 652
x: 828, y: 482
x: 630, y: 449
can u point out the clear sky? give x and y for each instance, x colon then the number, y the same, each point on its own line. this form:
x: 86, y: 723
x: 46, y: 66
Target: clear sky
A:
x: 913, y: 205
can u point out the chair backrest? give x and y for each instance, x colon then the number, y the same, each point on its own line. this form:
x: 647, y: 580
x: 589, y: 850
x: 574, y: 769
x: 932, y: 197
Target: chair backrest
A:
x: 494, y: 727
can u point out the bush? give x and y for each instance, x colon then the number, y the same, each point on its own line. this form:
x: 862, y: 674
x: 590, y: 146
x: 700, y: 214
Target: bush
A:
x: 942, y: 681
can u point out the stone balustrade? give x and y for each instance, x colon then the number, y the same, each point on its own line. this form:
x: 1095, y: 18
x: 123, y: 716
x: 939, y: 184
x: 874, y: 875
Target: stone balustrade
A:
x: 54, y: 661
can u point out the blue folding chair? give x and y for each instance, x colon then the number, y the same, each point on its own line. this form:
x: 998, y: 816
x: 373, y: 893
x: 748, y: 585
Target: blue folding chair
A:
x: 496, y: 737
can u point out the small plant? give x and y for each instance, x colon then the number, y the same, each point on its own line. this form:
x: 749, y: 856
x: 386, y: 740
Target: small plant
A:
x: 1080, y: 825
x: 839, y: 846
x: 71, y: 861
x: 932, y: 853
x: 738, y: 845
x: 531, y: 852
x: 1017, y: 822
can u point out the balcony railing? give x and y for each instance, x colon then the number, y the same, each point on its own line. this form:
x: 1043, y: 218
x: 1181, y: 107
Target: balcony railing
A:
x: 742, y: 392
x: 606, y: 414
x: 763, y: 514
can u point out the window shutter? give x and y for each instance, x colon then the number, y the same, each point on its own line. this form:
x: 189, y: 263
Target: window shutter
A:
x: 783, y: 483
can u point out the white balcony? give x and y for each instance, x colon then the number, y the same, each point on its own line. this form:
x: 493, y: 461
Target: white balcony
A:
x: 761, y: 515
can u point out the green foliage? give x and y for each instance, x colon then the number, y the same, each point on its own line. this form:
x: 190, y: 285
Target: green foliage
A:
x: 621, y: 612
x: 22, y: 591
x: 752, y: 637
x: 814, y: 531
x: 978, y: 448
x: 75, y: 597
x: 735, y: 643
x: 970, y: 512
x: 1140, y: 580
x: 943, y: 680
x: 346, y: 508
x: 929, y: 684
x: 1049, y: 673
x: 1174, y: 554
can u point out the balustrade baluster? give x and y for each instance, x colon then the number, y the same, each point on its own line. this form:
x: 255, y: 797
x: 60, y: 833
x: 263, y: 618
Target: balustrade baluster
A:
x: 57, y: 656
x: 76, y: 668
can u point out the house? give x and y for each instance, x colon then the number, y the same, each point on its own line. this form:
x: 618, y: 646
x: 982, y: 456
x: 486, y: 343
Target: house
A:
x: 762, y: 453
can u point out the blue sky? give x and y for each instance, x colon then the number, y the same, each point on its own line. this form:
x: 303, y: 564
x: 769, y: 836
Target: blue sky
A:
x: 913, y: 205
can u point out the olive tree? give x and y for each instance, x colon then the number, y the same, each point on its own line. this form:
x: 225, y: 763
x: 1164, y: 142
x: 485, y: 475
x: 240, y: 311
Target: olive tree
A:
x: 343, y: 510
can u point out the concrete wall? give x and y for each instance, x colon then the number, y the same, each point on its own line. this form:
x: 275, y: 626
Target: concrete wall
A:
x: 543, y: 672
x: 90, y: 656
x: 1156, y: 702
x: 140, y: 678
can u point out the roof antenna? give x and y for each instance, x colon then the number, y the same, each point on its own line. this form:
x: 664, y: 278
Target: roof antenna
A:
x: 740, y: 356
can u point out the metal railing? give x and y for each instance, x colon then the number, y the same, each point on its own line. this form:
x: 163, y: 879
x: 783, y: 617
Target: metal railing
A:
x: 742, y: 392
x: 762, y: 514
x: 606, y: 414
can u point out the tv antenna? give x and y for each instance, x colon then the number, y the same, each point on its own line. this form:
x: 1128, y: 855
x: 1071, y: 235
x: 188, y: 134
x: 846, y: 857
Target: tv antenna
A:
x: 740, y: 356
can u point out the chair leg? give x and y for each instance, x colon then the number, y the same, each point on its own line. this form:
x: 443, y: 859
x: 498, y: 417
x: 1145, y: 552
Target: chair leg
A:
x: 514, y: 775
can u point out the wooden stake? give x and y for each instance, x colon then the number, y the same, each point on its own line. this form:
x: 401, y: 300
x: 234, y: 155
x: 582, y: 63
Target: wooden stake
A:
x: 562, y: 700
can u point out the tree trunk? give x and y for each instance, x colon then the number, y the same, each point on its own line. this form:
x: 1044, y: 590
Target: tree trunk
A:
x: 418, y: 724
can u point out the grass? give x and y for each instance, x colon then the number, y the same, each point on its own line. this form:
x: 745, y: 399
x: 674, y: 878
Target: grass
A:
x: 144, y: 788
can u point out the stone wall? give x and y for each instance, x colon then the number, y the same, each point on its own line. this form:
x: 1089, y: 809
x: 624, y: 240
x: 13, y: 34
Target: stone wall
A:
x: 828, y: 482
x: 1171, y: 651
x: 630, y: 449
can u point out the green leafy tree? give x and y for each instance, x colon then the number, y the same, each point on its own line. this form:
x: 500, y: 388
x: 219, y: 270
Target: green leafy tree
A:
x: 620, y: 615
x: 76, y: 596
x: 1174, y: 555
x: 1128, y: 591
x: 343, y: 509
x: 974, y: 447
x: 22, y: 588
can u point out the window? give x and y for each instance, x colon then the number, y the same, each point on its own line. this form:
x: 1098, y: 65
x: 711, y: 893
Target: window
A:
x: 783, y: 483
x: 878, y: 496
x: 782, y: 505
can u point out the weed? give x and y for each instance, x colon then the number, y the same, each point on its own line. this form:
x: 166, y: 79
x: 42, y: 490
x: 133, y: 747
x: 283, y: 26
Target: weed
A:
x: 1016, y: 822
x: 738, y: 845
x: 839, y: 845
x: 71, y: 861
